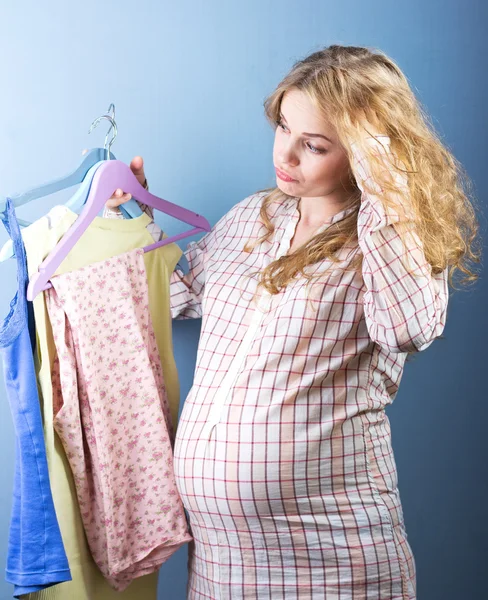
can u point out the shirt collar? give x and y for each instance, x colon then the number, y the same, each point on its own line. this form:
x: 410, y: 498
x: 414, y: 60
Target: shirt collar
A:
x: 293, y: 217
x: 292, y: 208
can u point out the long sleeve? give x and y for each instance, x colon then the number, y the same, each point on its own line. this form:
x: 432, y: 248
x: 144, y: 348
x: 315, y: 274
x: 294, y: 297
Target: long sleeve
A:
x: 405, y: 305
x: 187, y: 290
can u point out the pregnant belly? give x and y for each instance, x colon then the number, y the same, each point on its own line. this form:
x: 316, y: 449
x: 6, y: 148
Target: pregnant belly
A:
x: 276, y: 476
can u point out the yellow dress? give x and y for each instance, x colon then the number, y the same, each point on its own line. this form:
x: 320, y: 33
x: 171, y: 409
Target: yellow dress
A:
x: 102, y: 239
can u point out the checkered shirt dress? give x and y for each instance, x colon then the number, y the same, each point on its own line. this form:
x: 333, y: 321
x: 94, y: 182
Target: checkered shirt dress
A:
x: 283, y: 454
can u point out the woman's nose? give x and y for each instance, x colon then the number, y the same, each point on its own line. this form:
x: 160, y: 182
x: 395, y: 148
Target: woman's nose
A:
x: 288, y: 156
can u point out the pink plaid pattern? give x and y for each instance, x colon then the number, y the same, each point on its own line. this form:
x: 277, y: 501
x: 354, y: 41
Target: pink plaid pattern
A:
x: 283, y: 454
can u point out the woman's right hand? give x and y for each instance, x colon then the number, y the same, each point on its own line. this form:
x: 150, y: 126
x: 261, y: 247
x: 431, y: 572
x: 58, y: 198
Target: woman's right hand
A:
x: 119, y: 197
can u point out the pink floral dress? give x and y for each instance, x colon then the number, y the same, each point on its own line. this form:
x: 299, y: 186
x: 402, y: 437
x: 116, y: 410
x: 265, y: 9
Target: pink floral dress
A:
x: 112, y: 415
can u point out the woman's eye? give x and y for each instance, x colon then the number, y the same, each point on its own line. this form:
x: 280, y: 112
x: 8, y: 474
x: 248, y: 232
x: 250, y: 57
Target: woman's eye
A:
x: 314, y: 149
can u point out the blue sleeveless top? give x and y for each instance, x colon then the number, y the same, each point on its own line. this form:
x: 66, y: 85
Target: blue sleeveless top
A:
x: 36, y: 558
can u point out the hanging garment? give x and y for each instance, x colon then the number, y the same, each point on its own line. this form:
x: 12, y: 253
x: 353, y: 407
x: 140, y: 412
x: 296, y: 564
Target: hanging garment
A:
x: 153, y: 228
x: 283, y: 455
x: 112, y: 415
x: 103, y: 238
x: 36, y: 558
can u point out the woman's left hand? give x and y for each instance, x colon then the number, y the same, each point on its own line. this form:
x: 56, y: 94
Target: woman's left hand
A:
x: 371, y: 126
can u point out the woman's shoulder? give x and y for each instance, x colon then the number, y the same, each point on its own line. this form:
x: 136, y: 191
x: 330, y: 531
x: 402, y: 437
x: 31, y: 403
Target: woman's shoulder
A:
x: 245, y: 210
x: 252, y: 202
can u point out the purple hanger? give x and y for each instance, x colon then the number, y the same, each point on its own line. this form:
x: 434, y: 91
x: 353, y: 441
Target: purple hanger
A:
x: 111, y: 175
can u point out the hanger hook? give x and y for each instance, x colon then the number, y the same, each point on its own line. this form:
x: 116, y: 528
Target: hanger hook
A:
x: 107, y: 145
x: 110, y: 113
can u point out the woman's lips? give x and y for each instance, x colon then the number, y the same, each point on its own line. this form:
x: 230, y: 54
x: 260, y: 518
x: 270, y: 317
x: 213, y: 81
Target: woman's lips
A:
x: 283, y: 176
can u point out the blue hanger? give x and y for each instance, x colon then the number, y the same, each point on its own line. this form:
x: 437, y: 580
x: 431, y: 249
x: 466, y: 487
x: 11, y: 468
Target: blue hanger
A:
x: 76, y: 203
x: 73, y: 203
x: 74, y: 178
x: 94, y: 156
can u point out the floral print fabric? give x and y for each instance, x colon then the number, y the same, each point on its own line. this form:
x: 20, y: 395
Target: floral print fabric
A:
x: 112, y: 415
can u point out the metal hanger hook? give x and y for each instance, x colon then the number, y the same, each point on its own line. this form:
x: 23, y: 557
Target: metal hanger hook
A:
x: 110, y: 113
x: 111, y: 110
x: 107, y: 145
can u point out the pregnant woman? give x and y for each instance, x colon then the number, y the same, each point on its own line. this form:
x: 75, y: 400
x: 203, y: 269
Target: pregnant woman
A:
x: 312, y: 294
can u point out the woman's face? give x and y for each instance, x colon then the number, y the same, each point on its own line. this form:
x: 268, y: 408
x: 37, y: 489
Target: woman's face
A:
x: 307, y: 149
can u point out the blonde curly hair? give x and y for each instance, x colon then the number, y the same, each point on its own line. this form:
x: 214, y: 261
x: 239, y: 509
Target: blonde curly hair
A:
x: 353, y: 85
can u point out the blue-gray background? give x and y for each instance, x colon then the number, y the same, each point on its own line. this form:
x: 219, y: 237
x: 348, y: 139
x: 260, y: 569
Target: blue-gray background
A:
x: 188, y: 80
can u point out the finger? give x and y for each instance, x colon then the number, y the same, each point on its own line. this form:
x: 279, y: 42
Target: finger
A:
x: 114, y: 202
x: 137, y: 163
x: 116, y: 199
x: 137, y: 167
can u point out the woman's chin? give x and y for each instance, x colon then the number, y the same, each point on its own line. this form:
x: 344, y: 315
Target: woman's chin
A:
x: 287, y: 187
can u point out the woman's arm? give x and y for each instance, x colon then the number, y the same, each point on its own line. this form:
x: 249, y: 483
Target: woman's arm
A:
x: 405, y: 305
x: 187, y: 291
